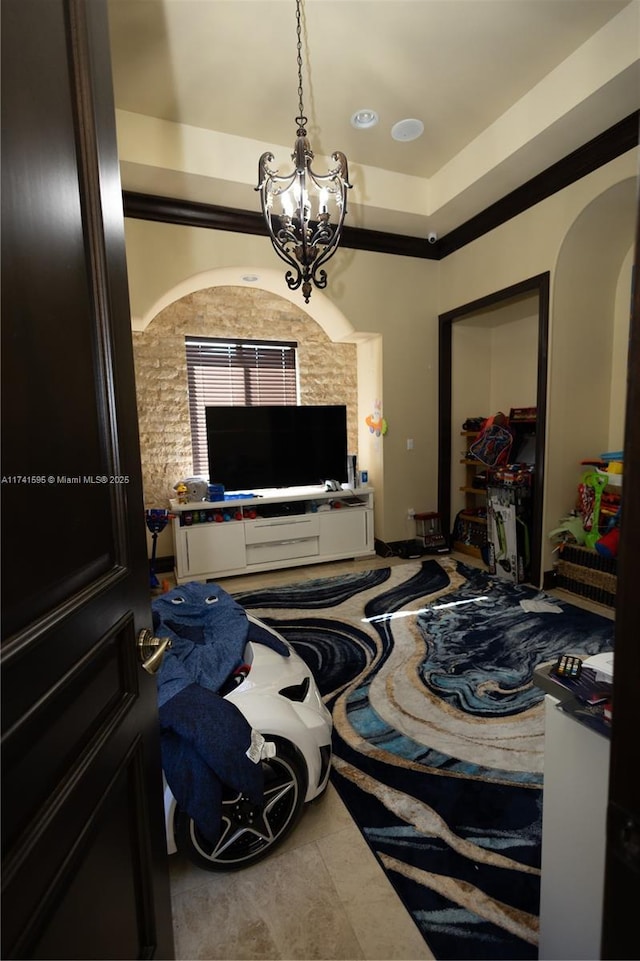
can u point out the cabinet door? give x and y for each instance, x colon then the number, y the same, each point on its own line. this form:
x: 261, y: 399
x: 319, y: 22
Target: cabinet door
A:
x: 212, y: 548
x: 345, y: 531
x: 574, y: 818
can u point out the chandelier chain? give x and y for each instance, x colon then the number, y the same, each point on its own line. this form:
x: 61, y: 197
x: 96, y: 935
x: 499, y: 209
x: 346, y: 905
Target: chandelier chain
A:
x: 301, y: 231
x: 301, y: 119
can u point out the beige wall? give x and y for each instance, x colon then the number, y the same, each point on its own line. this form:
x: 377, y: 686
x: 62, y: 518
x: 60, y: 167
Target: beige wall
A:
x: 583, y: 236
x: 514, y: 363
x: 385, y: 305
x: 530, y: 244
x: 618, y: 397
x: 388, y: 307
x: 470, y: 395
x: 396, y: 298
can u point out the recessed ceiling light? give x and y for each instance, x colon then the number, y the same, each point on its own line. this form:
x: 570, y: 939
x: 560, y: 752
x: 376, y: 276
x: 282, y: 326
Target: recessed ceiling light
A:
x: 407, y: 129
x: 250, y: 278
x: 364, y: 118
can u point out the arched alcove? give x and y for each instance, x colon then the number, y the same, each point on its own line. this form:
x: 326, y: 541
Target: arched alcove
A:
x: 338, y: 364
x: 586, y: 348
x: 581, y: 357
x: 320, y: 308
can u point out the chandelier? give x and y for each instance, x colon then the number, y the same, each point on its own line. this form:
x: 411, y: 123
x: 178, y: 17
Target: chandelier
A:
x: 300, y: 230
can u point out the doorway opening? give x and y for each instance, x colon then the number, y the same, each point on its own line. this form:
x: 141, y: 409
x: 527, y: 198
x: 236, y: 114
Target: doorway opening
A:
x: 486, y: 347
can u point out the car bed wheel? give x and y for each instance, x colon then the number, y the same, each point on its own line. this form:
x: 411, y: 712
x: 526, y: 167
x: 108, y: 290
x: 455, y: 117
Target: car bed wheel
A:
x: 249, y: 832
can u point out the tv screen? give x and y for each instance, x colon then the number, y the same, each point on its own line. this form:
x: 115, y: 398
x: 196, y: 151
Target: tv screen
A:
x: 251, y: 448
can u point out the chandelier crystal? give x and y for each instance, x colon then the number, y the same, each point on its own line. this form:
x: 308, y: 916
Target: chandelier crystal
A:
x: 298, y: 207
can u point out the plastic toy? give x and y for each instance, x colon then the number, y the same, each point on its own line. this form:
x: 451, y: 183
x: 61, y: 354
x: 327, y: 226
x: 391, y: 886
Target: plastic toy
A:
x: 608, y: 543
x: 590, y: 492
x: 197, y: 488
x: 493, y: 444
x: 157, y: 520
x: 429, y: 533
x: 502, y: 558
x: 377, y: 425
x: 181, y: 490
x: 573, y: 526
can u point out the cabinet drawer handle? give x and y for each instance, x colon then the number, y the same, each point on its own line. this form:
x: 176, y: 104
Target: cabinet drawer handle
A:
x: 283, y: 543
x: 288, y: 520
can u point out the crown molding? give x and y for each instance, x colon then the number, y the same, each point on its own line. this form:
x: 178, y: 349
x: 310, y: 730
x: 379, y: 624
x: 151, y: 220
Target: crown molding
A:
x: 188, y: 213
x: 597, y: 152
x: 608, y: 145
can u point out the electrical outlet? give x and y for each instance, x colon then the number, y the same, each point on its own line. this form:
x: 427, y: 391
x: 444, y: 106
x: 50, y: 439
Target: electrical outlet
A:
x: 410, y: 513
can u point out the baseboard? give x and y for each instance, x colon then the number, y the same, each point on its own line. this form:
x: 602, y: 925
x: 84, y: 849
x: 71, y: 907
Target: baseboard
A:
x: 408, y: 549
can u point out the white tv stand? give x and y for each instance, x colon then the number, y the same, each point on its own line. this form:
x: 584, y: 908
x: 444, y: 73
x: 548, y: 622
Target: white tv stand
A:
x: 293, y: 526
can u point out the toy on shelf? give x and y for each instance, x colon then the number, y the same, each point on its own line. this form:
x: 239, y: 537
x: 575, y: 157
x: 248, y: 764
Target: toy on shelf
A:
x: 215, y: 492
x: 607, y: 545
x: 594, y: 524
x: 191, y: 489
x: 493, y: 444
x: 613, y: 473
x: 182, y: 492
x: 197, y: 488
x: 590, y: 491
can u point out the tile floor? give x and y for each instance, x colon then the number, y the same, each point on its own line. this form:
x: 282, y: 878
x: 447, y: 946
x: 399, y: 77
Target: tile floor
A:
x: 321, y: 895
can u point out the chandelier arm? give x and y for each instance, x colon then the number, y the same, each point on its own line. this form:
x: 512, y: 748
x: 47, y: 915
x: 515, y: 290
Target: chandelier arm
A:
x: 293, y: 282
x: 327, y: 252
x: 340, y: 172
x: 282, y: 238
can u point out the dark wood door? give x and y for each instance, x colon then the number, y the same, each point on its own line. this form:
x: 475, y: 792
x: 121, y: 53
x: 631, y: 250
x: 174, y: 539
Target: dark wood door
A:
x: 84, y: 858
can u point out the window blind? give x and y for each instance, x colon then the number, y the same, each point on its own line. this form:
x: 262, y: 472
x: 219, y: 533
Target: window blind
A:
x: 235, y: 373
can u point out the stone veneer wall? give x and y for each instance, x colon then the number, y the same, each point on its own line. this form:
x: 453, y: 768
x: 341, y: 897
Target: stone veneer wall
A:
x: 327, y: 371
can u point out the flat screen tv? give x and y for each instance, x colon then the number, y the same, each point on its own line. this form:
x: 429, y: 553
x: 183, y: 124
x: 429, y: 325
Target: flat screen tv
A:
x: 253, y: 448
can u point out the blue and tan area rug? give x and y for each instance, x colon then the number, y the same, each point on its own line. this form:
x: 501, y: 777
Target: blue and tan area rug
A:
x: 439, y: 733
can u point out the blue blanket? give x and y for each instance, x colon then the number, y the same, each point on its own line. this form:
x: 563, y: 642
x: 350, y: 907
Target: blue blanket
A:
x: 208, y: 631
x: 204, y: 741
x: 204, y: 738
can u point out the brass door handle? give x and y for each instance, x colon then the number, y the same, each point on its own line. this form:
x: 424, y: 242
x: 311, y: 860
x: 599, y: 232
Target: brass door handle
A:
x: 151, y: 650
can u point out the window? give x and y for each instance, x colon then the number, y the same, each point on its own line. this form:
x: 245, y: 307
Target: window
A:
x: 237, y: 373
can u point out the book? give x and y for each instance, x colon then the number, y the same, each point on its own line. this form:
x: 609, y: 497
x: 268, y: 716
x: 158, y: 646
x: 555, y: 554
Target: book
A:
x: 587, y: 688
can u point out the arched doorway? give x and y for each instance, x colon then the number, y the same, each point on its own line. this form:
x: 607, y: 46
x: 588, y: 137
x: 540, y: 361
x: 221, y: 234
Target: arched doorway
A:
x: 588, y: 344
